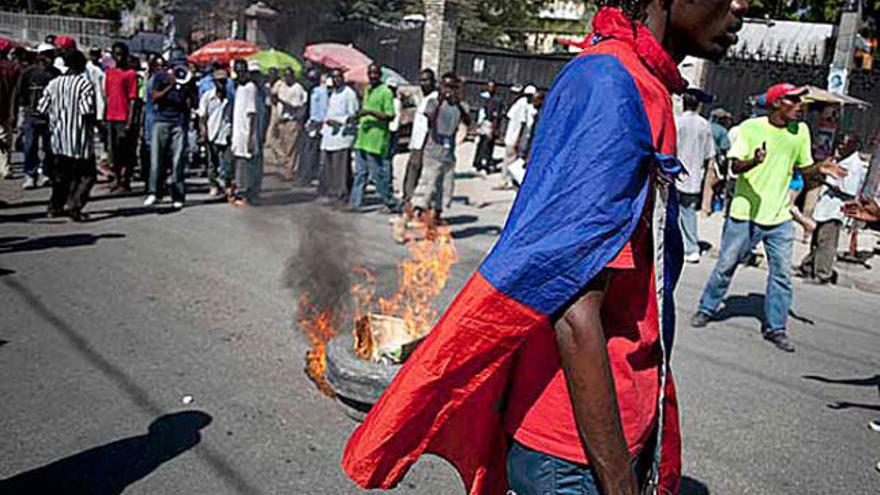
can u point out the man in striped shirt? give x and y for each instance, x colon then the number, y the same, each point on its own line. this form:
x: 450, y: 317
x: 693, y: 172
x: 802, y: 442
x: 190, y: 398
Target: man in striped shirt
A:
x: 69, y: 102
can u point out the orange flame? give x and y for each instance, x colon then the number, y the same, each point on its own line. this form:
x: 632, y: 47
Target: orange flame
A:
x: 318, y: 326
x: 422, y: 276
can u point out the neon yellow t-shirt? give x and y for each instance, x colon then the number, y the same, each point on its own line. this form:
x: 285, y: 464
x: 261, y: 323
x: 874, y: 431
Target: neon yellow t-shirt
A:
x: 761, y: 195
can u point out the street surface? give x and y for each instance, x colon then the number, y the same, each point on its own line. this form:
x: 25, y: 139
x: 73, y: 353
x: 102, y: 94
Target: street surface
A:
x: 109, y: 325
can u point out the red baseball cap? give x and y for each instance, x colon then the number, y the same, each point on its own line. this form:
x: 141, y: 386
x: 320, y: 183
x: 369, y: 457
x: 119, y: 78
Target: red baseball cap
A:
x: 65, y: 43
x: 782, y: 90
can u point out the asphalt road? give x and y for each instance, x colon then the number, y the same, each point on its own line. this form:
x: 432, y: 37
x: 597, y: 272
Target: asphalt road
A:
x: 108, y: 328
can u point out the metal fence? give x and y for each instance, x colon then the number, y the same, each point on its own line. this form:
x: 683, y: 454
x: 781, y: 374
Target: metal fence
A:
x: 33, y: 28
x: 741, y: 76
x: 479, y: 65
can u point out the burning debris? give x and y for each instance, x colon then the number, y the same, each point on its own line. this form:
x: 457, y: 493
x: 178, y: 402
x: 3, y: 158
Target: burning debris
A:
x: 385, y: 329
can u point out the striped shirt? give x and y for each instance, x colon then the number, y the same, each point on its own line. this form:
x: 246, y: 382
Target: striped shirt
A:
x: 67, y: 100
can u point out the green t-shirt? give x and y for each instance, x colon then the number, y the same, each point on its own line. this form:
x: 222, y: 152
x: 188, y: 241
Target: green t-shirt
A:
x: 762, y: 194
x: 373, y: 134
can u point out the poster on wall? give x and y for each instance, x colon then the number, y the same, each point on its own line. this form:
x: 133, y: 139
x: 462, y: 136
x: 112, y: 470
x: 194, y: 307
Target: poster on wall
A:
x: 837, y: 81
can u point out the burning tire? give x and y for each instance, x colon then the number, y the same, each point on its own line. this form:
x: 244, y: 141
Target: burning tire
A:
x: 358, y: 383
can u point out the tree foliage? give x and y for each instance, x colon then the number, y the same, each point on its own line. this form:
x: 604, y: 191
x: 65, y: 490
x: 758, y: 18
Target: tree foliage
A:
x: 101, y: 9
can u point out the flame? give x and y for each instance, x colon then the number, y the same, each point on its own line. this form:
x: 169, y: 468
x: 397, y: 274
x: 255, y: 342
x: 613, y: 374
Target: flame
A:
x: 422, y: 276
x: 318, y: 326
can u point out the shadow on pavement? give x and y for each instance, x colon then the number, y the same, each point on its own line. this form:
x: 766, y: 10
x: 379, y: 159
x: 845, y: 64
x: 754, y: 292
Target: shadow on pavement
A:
x: 6, y: 271
x: 690, y: 486
x: 750, y: 306
x: 870, y: 381
x: 839, y: 406
x: 109, y: 469
x: 475, y: 231
x: 54, y: 242
x: 461, y: 219
x: 216, y: 461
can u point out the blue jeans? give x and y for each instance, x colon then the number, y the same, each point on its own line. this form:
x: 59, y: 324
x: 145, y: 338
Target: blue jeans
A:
x: 169, y: 139
x: 378, y: 170
x: 36, y: 136
x: 738, y: 239
x: 530, y: 472
x: 690, y: 203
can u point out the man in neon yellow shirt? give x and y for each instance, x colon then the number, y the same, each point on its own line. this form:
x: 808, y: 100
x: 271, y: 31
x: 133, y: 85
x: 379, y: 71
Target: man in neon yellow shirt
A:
x: 765, y: 155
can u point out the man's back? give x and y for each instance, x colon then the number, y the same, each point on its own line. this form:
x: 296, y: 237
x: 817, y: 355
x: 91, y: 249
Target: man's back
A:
x: 696, y: 144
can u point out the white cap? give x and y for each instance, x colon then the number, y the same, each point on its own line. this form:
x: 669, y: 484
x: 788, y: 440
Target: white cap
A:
x: 45, y: 47
x: 60, y: 65
x: 254, y: 66
x: 392, y: 82
x: 530, y: 90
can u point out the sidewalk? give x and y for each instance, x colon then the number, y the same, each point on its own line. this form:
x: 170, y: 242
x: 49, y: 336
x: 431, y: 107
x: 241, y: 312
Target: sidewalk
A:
x: 850, y: 275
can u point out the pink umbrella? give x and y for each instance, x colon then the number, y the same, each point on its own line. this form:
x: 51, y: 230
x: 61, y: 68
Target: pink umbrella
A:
x: 336, y: 56
x: 223, y: 51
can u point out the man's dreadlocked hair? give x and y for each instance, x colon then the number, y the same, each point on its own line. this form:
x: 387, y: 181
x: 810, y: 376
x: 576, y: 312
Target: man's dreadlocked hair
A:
x: 633, y: 9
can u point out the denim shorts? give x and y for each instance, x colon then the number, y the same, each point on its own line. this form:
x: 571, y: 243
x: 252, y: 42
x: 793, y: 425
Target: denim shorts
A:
x: 530, y: 472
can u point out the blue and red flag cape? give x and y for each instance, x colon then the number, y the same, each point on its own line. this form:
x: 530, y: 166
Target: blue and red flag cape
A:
x: 600, y: 161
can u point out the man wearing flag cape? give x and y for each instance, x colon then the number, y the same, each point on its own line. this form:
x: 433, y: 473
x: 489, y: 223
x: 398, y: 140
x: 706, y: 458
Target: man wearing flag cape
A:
x: 549, y: 373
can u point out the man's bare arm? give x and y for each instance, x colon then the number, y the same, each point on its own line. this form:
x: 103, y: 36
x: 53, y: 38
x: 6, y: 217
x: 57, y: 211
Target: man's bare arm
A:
x: 585, y: 362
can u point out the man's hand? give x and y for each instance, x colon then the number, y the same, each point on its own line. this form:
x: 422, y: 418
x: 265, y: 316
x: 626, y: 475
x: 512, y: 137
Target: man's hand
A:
x: 863, y: 209
x: 760, y: 155
x: 830, y: 167
x: 741, y: 167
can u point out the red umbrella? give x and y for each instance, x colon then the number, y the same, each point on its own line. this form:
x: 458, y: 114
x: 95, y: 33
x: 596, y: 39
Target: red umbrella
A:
x: 336, y: 56
x: 223, y: 51
x: 7, y: 44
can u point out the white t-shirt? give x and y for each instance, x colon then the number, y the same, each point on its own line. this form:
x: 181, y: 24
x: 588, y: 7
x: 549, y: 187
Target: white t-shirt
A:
x: 829, y: 204
x: 216, y: 114
x: 293, y: 96
x: 245, y: 106
x: 420, y: 124
x: 695, y: 144
x: 394, y: 125
x: 520, y: 117
x: 342, y: 105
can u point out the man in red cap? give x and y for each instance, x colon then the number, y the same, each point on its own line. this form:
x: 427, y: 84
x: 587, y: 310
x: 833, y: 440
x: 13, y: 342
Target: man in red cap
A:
x: 765, y: 155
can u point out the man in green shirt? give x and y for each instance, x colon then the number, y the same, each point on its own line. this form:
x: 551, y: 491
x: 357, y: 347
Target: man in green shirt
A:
x: 765, y: 155
x: 373, y: 141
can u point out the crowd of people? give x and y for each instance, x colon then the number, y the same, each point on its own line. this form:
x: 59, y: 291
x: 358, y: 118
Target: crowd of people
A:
x: 160, y: 118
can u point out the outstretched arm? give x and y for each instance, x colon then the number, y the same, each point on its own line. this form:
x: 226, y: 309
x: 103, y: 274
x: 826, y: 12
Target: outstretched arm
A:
x: 585, y: 362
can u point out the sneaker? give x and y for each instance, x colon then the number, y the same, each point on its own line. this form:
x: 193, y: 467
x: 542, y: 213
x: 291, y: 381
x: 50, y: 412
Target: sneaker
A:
x: 150, y: 201
x: 42, y: 180
x: 780, y: 339
x: 177, y: 205
x: 692, y: 258
x: 875, y: 425
x: 29, y: 183
x: 700, y: 320
x: 214, y: 192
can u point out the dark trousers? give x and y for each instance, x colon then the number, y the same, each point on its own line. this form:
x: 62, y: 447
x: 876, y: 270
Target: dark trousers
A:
x: 483, y: 157
x: 221, y: 173
x: 167, y: 151
x: 72, y: 181
x: 309, y: 158
x: 412, y: 176
x: 335, y: 179
x: 819, y: 264
x: 121, y: 147
x: 36, y: 136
